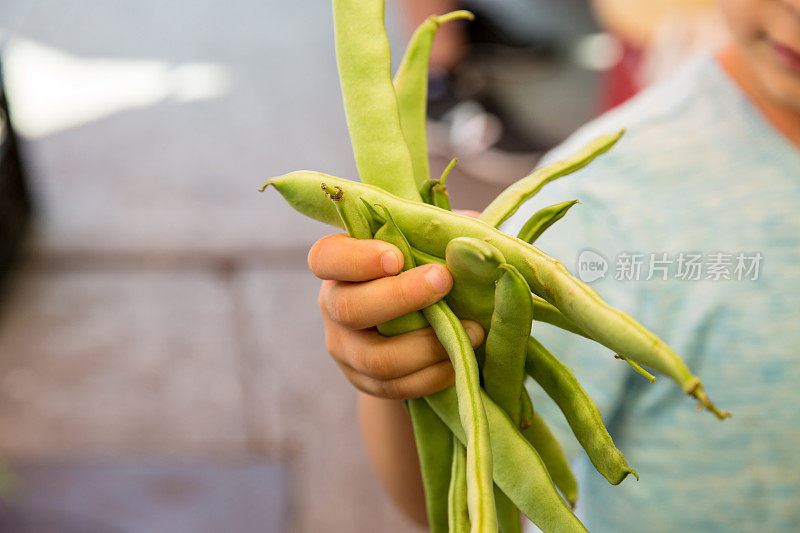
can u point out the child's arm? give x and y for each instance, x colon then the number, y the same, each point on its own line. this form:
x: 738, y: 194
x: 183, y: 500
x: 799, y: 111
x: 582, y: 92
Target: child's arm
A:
x: 360, y: 291
x: 389, y: 439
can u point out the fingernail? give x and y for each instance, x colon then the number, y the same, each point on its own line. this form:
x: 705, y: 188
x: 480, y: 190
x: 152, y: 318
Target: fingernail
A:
x: 391, y: 262
x: 437, y: 279
x: 475, y: 334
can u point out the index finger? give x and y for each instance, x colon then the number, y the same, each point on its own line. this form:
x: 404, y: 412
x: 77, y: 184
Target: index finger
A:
x: 343, y: 258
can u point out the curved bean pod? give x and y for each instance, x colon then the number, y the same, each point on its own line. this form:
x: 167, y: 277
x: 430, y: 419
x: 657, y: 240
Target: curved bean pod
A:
x: 553, y: 457
x: 508, y: 201
x: 411, y: 87
x: 579, y: 409
x: 474, y: 266
x: 543, y: 219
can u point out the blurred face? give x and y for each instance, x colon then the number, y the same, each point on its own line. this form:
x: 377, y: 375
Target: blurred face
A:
x: 768, y: 32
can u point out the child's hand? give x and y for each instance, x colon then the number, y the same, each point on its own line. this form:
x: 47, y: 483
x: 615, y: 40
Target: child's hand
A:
x: 361, y: 291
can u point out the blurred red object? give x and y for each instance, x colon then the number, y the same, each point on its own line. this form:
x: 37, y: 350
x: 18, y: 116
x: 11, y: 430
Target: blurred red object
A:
x: 621, y: 82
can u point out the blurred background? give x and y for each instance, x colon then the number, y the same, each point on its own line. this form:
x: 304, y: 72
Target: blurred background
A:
x: 162, y: 363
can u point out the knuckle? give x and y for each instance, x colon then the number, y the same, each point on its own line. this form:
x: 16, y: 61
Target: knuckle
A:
x: 371, y: 363
x: 333, y: 303
x: 341, y: 309
x: 372, y: 387
x: 438, y: 352
x: 391, y: 389
x: 406, y: 292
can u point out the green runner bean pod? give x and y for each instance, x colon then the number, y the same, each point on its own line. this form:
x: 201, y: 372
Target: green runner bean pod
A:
x: 508, y: 201
x: 506, y: 342
x: 553, y: 457
x: 579, y: 409
x: 530, y: 488
x: 370, y: 104
x: 457, y: 511
x: 411, y: 86
x: 543, y: 219
x: 434, y: 448
x: 451, y: 334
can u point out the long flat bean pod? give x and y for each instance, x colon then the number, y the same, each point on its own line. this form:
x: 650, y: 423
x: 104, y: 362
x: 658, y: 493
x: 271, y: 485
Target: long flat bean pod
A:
x: 553, y: 457
x: 432, y: 437
x: 429, y: 229
x: 506, y: 342
x: 530, y: 488
x: 434, y: 447
x: 457, y: 511
x: 370, y: 104
x: 504, y: 364
x: 451, y: 334
x: 579, y: 409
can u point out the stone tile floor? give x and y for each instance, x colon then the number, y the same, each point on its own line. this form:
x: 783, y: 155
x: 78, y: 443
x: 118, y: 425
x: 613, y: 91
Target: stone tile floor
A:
x: 147, y: 496
x: 163, y: 309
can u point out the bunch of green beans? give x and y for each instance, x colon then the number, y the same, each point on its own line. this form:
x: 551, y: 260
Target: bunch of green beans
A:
x: 485, y: 453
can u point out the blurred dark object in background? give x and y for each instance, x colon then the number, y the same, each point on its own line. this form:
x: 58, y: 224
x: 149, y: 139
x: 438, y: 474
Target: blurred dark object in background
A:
x: 15, y: 206
x: 529, y: 75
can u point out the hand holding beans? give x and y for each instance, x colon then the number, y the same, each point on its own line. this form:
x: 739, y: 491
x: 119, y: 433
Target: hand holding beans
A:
x: 361, y: 290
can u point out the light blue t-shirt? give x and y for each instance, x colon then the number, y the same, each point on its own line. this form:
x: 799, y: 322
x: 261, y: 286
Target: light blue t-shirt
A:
x: 701, y: 177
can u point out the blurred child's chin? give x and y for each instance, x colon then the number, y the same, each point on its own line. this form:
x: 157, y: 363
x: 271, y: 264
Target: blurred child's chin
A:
x: 779, y: 75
